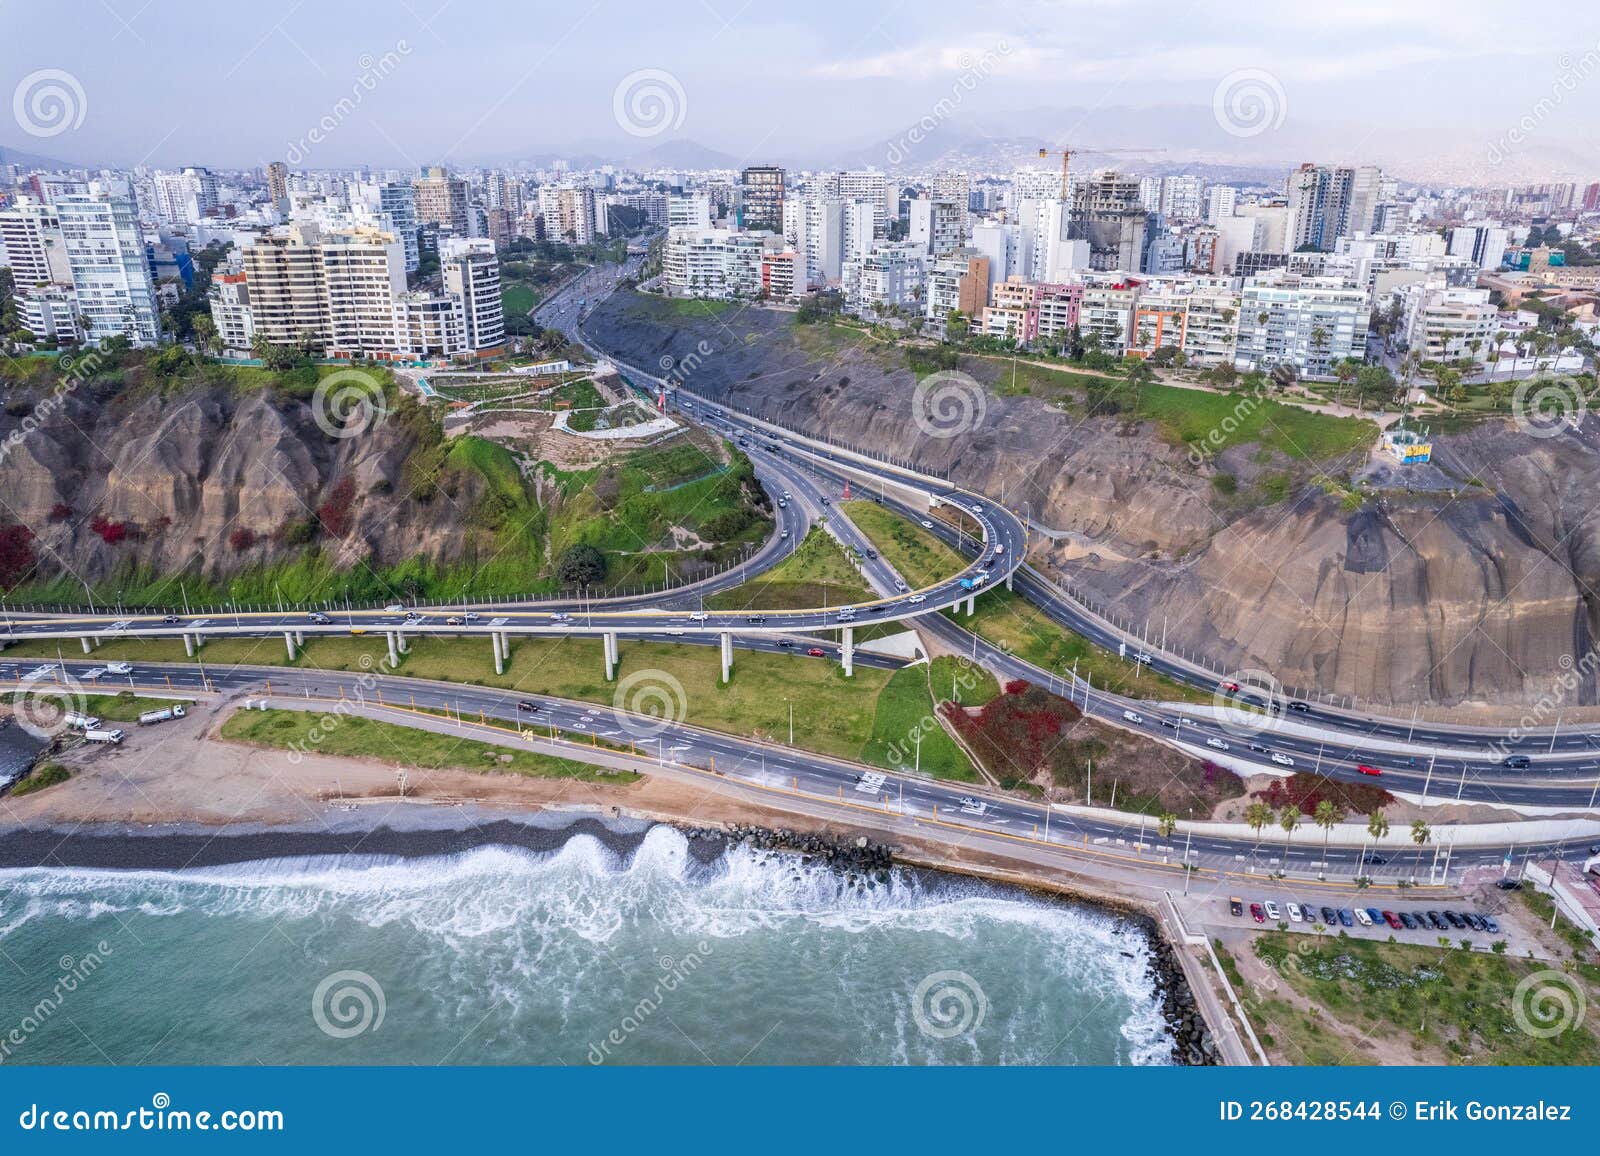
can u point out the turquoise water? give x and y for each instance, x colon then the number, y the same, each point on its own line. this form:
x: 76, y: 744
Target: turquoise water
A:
x: 576, y: 956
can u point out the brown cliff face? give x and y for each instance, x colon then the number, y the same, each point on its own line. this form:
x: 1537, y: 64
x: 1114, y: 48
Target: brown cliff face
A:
x: 1480, y: 588
x: 208, y: 481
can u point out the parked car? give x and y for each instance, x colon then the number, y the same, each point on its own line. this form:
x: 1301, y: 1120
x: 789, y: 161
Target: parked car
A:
x: 1272, y: 910
x: 1455, y: 919
x: 1330, y: 917
x: 1257, y: 914
x: 1436, y: 920
x: 1235, y: 905
x: 1393, y: 921
x: 1490, y: 924
x: 1295, y: 914
x: 1409, y: 920
x: 1362, y: 917
x: 1374, y: 916
x: 1347, y: 918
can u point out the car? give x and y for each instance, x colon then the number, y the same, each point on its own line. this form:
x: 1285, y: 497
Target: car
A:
x: 1185, y: 720
x: 1300, y: 707
x: 1220, y: 744
x: 1296, y: 915
x: 1133, y: 716
x: 786, y: 495
x: 471, y: 616
x: 453, y: 620
x: 319, y: 618
x: 1508, y: 884
x: 1455, y: 919
x: 1282, y: 759
x: 1330, y: 917
x: 1168, y: 723
x: 999, y: 549
x: 826, y: 502
x: 1375, y: 916
x: 1272, y: 910
x: 1436, y: 920
x: 1257, y: 914
x: 1258, y: 748
x: 677, y: 633
x: 927, y: 525
x: 817, y: 652
x: 1393, y: 921
x: 1517, y: 762
x: 1143, y: 657
x: 1362, y: 917
x: 697, y: 616
x: 917, y: 599
x: 977, y: 509
x: 1409, y: 920
x: 530, y: 707
x: 785, y: 642
x: 784, y: 534
x: 756, y: 619
x: 170, y: 619
x: 394, y: 608
x: 1473, y: 921
x: 1367, y: 770
x: 560, y: 617
x: 118, y: 668
x: 358, y: 630
x: 1490, y: 924
x: 782, y: 505
x: 1235, y: 905
x: 1347, y: 918
x: 1378, y: 860
x: 902, y: 587
x: 870, y: 553
x: 1229, y: 687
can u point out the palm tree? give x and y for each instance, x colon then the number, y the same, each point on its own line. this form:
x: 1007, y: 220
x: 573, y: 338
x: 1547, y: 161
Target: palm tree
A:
x: 1377, y: 828
x: 1258, y: 815
x: 1166, y: 823
x: 1328, y: 815
x: 1288, y: 819
x: 1420, y: 834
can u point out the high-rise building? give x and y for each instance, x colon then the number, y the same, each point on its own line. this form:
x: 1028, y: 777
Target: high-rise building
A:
x: 441, y: 200
x: 472, y: 275
x: 1591, y: 198
x: 1221, y: 201
x: 689, y: 212
x: 278, y: 187
x: 1309, y: 323
x: 106, y: 258
x: 1328, y: 202
x: 392, y: 207
x: 336, y: 288
x: 1106, y: 212
x: 184, y: 198
x: 229, y: 298
x: 762, y: 191
x: 1484, y: 244
x: 937, y: 222
x: 31, y: 245
x: 503, y: 191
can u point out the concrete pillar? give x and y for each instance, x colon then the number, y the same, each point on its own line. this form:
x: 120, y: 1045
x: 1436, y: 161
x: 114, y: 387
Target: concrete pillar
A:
x: 972, y: 602
x: 727, y: 655
x: 394, y: 655
x: 1009, y: 577
x: 400, y: 640
x: 499, y: 655
x: 86, y: 647
x: 299, y: 637
x: 848, y: 651
x: 188, y: 645
x: 609, y: 645
x: 288, y: 641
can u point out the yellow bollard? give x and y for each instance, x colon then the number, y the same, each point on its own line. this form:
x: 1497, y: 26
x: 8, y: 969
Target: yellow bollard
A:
x: 481, y: 718
x: 594, y: 739
x: 341, y: 692
x: 841, y: 794
x: 633, y: 747
x: 380, y: 695
x: 269, y: 686
x: 169, y: 682
x: 413, y: 701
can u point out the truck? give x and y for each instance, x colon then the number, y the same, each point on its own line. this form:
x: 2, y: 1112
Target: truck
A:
x: 81, y: 722
x: 102, y: 736
x: 974, y: 582
x: 156, y: 716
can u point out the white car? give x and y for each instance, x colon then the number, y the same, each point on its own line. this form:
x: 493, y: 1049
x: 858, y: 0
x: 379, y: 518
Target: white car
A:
x: 1213, y: 741
x: 927, y: 525
x: 118, y: 668
x: 902, y: 587
x: 1362, y: 917
x: 93, y: 673
x: 1132, y: 716
x: 1143, y: 658
x: 471, y: 616
x: 1295, y: 914
x: 785, y: 534
x: 394, y: 608
x: 697, y: 616
x: 977, y: 509
x: 1282, y: 759
x: 1272, y: 910
x: 917, y: 599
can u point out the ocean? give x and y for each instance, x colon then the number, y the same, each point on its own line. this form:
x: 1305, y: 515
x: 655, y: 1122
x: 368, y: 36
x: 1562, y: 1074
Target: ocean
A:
x: 591, y: 951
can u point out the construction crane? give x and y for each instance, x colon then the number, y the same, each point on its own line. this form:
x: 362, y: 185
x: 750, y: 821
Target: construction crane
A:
x: 1068, y: 154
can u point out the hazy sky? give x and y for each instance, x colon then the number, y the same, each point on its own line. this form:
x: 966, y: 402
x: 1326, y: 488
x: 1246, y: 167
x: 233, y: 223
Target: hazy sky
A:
x: 180, y: 81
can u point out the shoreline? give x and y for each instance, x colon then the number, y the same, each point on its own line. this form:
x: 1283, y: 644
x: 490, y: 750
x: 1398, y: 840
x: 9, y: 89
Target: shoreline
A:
x: 191, y: 846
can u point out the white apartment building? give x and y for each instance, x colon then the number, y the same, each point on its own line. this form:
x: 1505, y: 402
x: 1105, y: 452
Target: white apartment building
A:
x: 718, y: 263
x: 430, y: 325
x: 874, y: 187
x: 997, y: 240
x: 1211, y: 324
x: 472, y: 276
x: 937, y: 224
x: 689, y: 212
x: 1484, y: 244
x: 1306, y: 322
x: 32, y: 247
x: 892, y: 275
x: 859, y: 228
x: 229, y: 299
x: 392, y: 207
x: 1106, y: 311
x: 1221, y: 201
x: 49, y: 311
x: 1443, y: 323
x: 184, y: 198
x: 106, y: 259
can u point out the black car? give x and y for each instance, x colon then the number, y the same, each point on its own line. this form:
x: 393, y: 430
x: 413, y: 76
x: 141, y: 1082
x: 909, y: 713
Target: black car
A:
x: 1408, y: 919
x: 1455, y: 919
x: 1517, y: 762
x: 1300, y: 707
x: 1508, y: 884
x: 1437, y: 921
x: 530, y: 707
x: 870, y: 553
x: 1378, y: 860
x: 785, y: 642
x: 1330, y: 917
x: 756, y: 619
x: 1473, y: 921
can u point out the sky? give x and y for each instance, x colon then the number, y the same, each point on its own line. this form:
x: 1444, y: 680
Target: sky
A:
x: 463, y: 82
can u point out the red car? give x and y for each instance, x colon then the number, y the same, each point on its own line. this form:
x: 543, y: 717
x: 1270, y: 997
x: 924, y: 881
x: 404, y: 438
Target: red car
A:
x: 1393, y: 921
x: 1366, y: 770
x: 1230, y: 687
x: 1257, y: 914
x: 817, y: 652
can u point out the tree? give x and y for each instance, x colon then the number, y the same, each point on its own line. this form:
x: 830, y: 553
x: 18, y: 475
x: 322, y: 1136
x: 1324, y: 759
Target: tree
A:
x: 1258, y: 815
x: 1420, y: 834
x: 1288, y: 819
x: 205, y: 333
x: 1327, y: 816
x: 581, y: 565
x: 1166, y: 823
x: 1377, y: 828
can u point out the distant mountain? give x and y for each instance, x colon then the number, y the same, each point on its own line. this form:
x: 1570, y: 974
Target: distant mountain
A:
x: 11, y: 156
x: 688, y: 154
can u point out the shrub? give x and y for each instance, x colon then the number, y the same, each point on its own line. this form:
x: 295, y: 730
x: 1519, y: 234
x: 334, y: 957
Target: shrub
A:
x: 242, y: 539
x: 16, y: 554
x: 46, y: 776
x: 60, y: 512
x: 335, y: 512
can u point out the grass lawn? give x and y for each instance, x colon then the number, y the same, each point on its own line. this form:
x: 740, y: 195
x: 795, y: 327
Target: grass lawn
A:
x: 517, y: 299
x: 920, y: 558
x: 818, y: 573
x: 355, y: 737
x: 958, y: 679
x: 125, y: 707
x: 905, y: 711
x: 1440, y: 1004
x: 1010, y: 621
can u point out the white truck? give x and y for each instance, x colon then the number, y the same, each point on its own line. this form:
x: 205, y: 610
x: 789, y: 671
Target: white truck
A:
x: 102, y: 736
x: 82, y: 722
x: 157, y: 716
